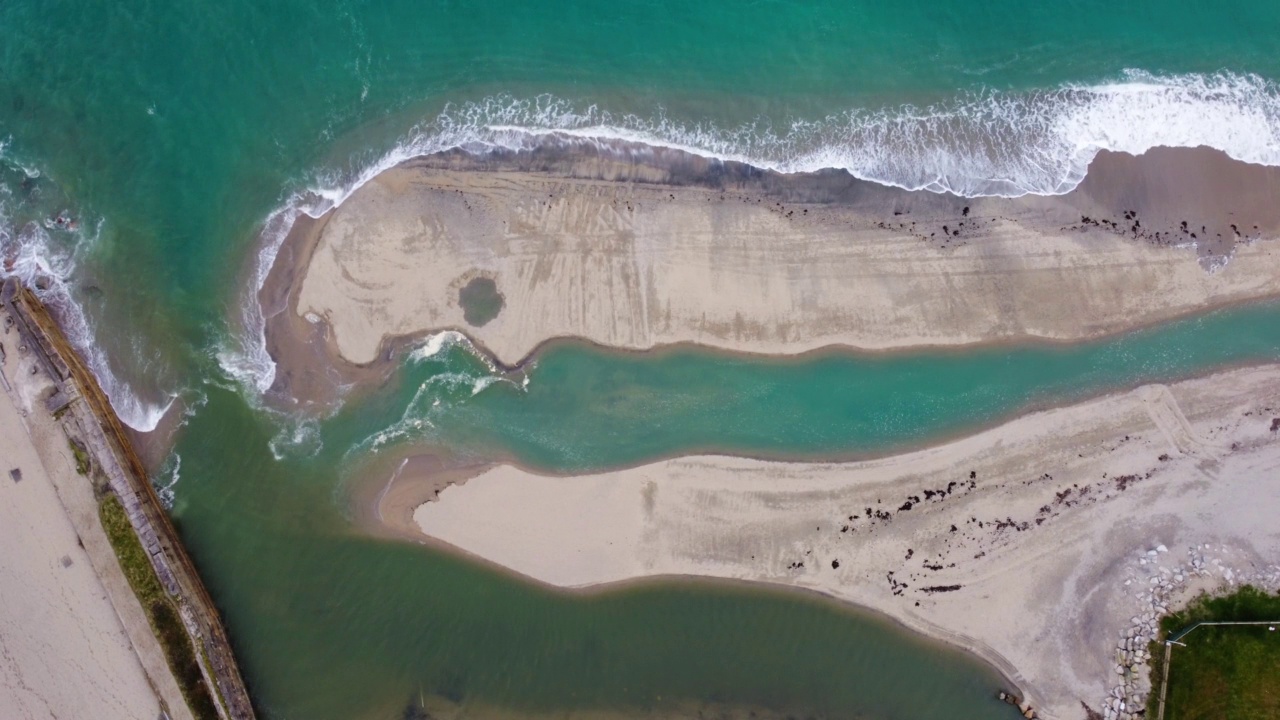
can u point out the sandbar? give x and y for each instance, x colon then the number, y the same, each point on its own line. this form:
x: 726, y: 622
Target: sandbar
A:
x: 1048, y: 545
x: 759, y: 262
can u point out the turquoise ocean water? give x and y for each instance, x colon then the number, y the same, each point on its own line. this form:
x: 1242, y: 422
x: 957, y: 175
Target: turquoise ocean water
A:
x: 152, y: 154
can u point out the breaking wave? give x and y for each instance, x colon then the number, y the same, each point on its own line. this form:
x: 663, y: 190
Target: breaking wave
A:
x: 43, y: 253
x: 977, y: 143
x: 458, y: 371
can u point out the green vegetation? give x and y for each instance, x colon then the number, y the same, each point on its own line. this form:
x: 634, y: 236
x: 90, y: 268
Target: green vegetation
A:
x: 83, y: 465
x: 1224, y: 672
x: 159, y: 607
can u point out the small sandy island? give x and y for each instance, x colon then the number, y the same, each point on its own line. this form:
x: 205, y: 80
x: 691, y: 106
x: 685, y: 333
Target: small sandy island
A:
x: 729, y: 257
x: 1049, y: 546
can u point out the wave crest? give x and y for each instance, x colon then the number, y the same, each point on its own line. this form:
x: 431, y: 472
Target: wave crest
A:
x: 31, y: 253
x: 977, y: 143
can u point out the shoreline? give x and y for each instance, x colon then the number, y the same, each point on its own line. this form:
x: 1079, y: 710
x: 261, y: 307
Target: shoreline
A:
x: 919, y: 630
x: 310, y: 359
x: 370, y: 523
x: 162, y: 579
x: 64, y: 594
x: 101, y: 607
x: 486, y: 514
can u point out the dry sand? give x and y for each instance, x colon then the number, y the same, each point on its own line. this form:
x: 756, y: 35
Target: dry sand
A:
x: 769, y: 263
x: 1041, y: 545
x: 74, y: 643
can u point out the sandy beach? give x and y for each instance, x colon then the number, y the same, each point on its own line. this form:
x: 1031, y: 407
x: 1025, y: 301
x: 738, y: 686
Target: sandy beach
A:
x: 74, y: 643
x: 1048, y: 546
x: 766, y: 263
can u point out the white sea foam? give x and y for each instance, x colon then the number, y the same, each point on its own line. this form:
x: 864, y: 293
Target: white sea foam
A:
x: 479, y: 385
x: 434, y: 344
x: 433, y: 397
x: 415, y: 421
x: 166, y: 481
x: 978, y: 143
x: 297, y: 437
x: 30, y: 254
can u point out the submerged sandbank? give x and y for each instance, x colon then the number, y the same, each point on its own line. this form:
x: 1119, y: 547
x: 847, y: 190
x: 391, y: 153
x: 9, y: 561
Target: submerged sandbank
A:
x: 1039, y: 545
x: 672, y: 249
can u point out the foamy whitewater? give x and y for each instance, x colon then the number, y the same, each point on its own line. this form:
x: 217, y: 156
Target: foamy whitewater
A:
x: 981, y: 143
x: 977, y: 143
x: 438, y: 393
x: 31, y: 254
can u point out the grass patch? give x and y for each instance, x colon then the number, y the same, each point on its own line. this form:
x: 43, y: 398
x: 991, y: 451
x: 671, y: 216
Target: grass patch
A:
x: 1224, y: 672
x: 159, y: 607
x: 83, y: 465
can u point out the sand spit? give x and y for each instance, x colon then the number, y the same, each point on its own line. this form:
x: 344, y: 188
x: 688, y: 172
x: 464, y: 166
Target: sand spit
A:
x: 1048, y: 545
x: 74, y: 642
x: 635, y: 254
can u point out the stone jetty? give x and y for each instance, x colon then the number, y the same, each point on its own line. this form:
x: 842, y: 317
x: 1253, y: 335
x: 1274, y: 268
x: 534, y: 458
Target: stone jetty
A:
x: 1160, y: 583
x: 91, y: 424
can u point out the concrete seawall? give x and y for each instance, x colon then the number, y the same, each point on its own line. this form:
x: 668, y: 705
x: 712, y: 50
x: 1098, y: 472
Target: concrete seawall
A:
x: 87, y: 417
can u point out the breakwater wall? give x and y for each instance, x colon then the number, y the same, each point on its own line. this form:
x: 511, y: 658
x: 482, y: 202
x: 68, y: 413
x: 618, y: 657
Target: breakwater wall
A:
x: 89, y: 419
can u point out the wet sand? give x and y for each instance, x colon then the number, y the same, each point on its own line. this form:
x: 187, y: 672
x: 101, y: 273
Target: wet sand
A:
x: 729, y: 257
